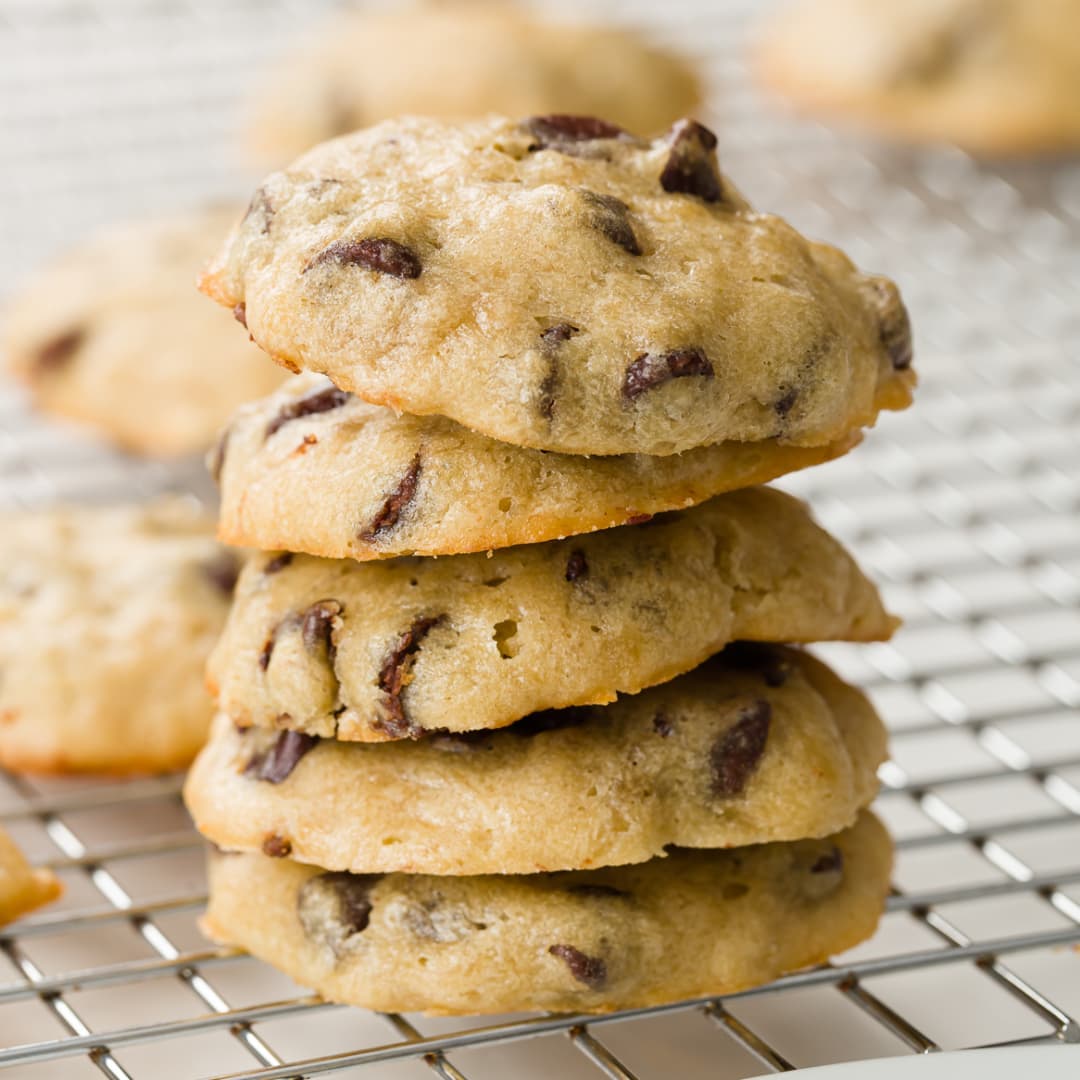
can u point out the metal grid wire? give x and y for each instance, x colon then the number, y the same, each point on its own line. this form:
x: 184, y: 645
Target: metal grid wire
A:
x: 966, y: 508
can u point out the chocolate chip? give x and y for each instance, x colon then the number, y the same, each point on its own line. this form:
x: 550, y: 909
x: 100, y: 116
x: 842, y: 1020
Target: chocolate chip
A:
x: 261, y: 209
x: 396, y: 674
x: 277, y: 763
x: 58, y: 352
x: 662, y: 726
x: 222, y: 571
x: 319, y: 402
x: 736, y: 754
x: 240, y: 314
x: 268, y: 648
x: 377, y: 253
x: 277, y: 847
x: 395, y: 503
x: 576, y: 566
x: 317, y: 626
x: 772, y: 664
x: 831, y: 862
x: 555, y: 335
x: 639, y: 519
x: 334, y: 907
x: 611, y: 217
x: 217, y: 458
x: 650, y: 370
x: 278, y: 563
x: 784, y: 403
x: 590, y: 970
x: 556, y: 129
x: 894, y: 324
x: 691, y: 167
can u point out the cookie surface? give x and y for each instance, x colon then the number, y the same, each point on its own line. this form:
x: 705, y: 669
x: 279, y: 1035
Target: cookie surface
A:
x: 22, y: 888
x: 759, y: 744
x: 115, y: 334
x: 994, y: 76
x: 106, y: 619
x: 316, y: 470
x: 383, y: 650
x: 559, y: 284
x: 696, y: 923
x: 459, y: 60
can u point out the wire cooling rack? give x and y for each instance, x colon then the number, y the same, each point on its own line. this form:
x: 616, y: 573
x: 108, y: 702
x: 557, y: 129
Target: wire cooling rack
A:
x: 966, y: 508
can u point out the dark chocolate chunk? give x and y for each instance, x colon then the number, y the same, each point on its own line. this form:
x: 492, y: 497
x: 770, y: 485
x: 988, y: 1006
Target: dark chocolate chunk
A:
x: 277, y: 847
x: 57, y: 353
x: 555, y: 335
x: 395, y: 503
x: 557, y: 129
x: 240, y: 314
x: 611, y: 217
x: 662, y: 725
x: 894, y: 325
x: 335, y: 906
x: 277, y: 763
x: 278, y: 563
x: 691, y: 167
x: 378, y: 253
x: 784, y: 403
x: 831, y: 862
x: 737, y: 753
x: 317, y: 626
x: 773, y: 666
x: 319, y: 402
x: 222, y: 571
x: 650, y: 370
x: 590, y: 970
x: 261, y: 209
x: 395, y: 675
x: 577, y: 566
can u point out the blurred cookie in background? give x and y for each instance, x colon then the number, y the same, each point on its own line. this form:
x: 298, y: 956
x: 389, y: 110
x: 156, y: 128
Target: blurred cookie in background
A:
x: 115, y: 335
x: 107, y: 616
x: 22, y: 888
x: 992, y: 76
x: 460, y: 59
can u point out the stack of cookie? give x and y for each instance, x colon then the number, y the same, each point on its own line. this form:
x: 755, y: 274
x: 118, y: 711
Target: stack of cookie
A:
x: 566, y: 766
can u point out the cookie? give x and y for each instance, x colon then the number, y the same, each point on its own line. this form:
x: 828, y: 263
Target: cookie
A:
x: 22, y: 888
x: 993, y: 76
x: 107, y: 616
x: 760, y: 744
x: 314, y: 469
x: 115, y: 335
x: 391, y: 649
x: 460, y: 60
x: 695, y: 924
x: 560, y: 284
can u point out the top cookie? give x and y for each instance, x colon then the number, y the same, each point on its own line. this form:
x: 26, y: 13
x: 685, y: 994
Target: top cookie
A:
x: 560, y: 284
x: 115, y: 335
x: 458, y: 60
x: 994, y: 76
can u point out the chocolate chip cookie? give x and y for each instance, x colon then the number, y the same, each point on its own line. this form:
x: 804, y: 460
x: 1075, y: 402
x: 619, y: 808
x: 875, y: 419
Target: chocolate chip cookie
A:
x: 693, y: 924
x: 390, y: 649
x: 760, y: 744
x: 314, y: 469
x: 463, y: 59
x: 22, y: 888
x: 559, y: 283
x: 116, y: 336
x: 994, y: 76
x: 107, y: 616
